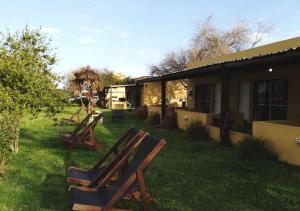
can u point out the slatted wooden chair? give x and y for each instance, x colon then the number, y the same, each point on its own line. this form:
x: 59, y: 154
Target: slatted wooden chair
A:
x: 87, y: 177
x: 85, y: 137
x: 107, y: 193
x: 74, y: 119
x: 79, y: 127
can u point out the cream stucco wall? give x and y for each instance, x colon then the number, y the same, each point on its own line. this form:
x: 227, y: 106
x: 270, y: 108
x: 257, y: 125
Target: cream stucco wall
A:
x: 116, y: 92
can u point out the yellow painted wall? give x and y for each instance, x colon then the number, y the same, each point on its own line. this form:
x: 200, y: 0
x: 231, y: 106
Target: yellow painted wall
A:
x: 282, y: 137
x: 214, y: 133
x: 151, y: 92
x: 185, y: 117
x: 235, y: 137
x: 119, y: 105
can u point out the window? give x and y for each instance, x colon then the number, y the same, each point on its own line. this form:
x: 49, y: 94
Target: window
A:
x: 203, y: 98
x: 270, y: 100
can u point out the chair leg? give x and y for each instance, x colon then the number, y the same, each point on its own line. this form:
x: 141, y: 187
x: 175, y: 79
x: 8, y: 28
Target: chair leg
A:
x: 141, y: 182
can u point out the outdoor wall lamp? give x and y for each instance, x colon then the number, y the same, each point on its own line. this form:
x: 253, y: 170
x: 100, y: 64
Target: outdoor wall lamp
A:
x: 270, y: 70
x: 186, y: 118
x: 298, y: 140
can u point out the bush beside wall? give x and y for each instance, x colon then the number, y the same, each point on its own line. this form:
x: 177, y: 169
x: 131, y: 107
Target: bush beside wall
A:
x: 256, y: 149
x: 196, y: 130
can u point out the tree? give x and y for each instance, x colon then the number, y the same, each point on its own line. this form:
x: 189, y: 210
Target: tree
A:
x: 85, y: 79
x: 172, y: 62
x: 27, y: 85
x: 210, y: 41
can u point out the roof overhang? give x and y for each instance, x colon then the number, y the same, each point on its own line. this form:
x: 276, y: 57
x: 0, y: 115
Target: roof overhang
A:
x: 289, y: 56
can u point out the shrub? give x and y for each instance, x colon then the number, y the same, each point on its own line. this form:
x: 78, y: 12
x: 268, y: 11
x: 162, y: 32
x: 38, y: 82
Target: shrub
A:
x: 197, y: 130
x: 251, y: 148
x: 170, y: 120
x: 8, y: 135
x: 153, y: 118
x: 142, y: 112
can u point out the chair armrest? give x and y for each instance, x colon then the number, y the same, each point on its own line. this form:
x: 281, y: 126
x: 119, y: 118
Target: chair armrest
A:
x: 82, y: 188
x: 72, y: 167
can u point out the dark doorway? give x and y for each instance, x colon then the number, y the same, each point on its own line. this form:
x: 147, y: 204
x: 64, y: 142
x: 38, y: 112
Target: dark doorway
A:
x: 203, y: 98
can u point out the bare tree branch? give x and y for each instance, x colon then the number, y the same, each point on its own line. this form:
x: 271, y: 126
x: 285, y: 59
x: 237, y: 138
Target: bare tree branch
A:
x: 262, y: 30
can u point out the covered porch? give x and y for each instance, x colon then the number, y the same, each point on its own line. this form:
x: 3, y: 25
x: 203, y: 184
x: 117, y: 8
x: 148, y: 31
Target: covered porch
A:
x: 253, y: 95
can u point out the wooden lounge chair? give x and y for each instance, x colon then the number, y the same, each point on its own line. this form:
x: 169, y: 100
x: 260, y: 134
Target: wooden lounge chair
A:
x: 107, y: 193
x: 117, y: 114
x: 74, y: 119
x: 79, y: 127
x: 87, y: 177
x: 85, y: 136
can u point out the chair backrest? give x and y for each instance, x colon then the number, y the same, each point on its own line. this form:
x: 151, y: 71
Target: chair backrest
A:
x: 119, y: 161
x: 131, y: 134
x: 82, y: 124
x: 147, y: 150
x: 86, y: 131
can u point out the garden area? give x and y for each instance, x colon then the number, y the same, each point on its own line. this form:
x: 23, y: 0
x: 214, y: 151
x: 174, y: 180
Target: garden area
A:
x: 186, y: 175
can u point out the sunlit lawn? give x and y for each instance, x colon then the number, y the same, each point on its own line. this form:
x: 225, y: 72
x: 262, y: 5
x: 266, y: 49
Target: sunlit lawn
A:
x: 186, y: 175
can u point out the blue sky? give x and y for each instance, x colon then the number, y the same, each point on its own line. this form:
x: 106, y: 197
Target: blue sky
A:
x: 129, y: 35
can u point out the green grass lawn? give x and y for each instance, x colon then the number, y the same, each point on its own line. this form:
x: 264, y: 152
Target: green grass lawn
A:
x: 186, y: 175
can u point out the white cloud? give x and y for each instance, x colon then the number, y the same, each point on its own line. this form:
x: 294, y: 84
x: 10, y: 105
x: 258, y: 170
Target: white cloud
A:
x: 145, y: 50
x: 124, y: 50
x: 47, y: 30
x: 85, y: 40
x: 50, y: 30
x: 89, y: 29
x: 101, y: 50
x: 100, y: 4
x: 124, y: 34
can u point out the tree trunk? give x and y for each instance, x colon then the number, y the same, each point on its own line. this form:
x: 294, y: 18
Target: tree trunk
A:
x: 2, y: 167
x: 16, y: 141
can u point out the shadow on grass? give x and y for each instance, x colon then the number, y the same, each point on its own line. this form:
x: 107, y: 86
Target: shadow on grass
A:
x: 54, y: 192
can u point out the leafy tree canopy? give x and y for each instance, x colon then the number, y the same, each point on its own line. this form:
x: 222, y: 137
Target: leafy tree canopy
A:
x: 26, y: 81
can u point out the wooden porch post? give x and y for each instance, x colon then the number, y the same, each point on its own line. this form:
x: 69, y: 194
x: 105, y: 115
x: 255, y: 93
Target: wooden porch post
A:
x: 137, y: 95
x: 163, y: 98
x: 224, y: 130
